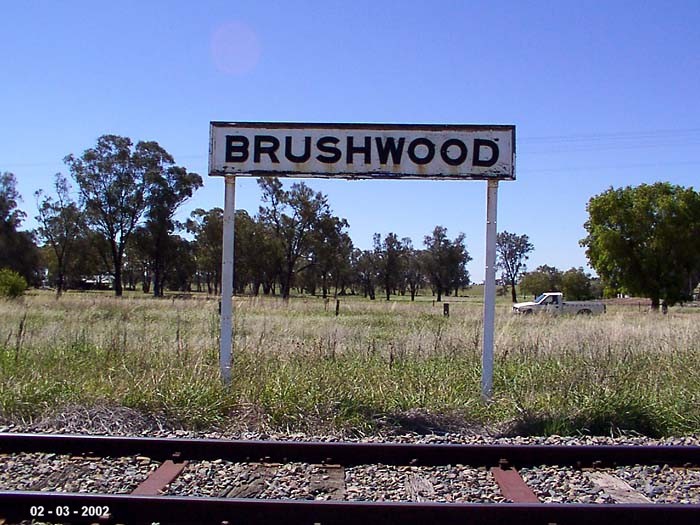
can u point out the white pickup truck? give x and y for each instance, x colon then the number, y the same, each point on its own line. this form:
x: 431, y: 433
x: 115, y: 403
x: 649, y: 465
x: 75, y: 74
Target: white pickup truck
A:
x: 553, y: 303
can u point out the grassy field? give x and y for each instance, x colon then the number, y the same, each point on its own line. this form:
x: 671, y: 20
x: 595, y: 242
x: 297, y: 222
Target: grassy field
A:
x: 378, y: 366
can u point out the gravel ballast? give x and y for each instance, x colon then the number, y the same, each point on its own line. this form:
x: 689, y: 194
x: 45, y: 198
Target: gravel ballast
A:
x: 453, y: 483
x: 63, y: 473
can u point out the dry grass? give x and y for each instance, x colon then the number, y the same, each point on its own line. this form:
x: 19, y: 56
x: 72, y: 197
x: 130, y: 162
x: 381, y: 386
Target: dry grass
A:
x: 298, y: 366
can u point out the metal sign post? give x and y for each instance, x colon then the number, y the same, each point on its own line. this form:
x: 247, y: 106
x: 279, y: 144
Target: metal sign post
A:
x: 489, y: 291
x: 226, y: 339
x: 361, y: 151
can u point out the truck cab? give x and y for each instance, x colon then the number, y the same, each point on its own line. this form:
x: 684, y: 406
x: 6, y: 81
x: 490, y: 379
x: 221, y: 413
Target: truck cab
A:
x: 549, y: 301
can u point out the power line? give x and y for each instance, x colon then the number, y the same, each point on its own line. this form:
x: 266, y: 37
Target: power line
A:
x: 553, y: 144
x: 620, y: 135
x: 611, y: 167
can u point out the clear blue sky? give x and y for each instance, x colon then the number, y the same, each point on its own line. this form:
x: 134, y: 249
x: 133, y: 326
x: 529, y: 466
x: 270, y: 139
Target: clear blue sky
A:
x: 602, y: 93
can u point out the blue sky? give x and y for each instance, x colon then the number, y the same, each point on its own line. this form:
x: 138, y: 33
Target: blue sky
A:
x: 602, y: 93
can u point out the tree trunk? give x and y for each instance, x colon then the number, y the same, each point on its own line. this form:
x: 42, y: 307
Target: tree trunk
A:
x: 118, y: 289
x: 285, y: 288
x: 117, y: 258
x: 159, y: 276
x: 61, y: 282
x: 286, y: 280
x: 157, y: 291
x: 655, y: 301
x: 512, y: 291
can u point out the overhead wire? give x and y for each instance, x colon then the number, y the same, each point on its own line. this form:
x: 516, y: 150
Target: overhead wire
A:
x: 551, y: 145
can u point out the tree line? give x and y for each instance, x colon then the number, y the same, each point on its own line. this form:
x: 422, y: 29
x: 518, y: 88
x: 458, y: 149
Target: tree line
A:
x: 642, y: 240
x: 122, y: 225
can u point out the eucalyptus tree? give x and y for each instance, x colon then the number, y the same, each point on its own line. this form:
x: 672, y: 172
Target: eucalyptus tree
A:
x: 18, y: 252
x: 292, y: 215
x: 414, y: 274
x: 168, y: 189
x: 391, y: 258
x: 60, y: 226
x: 329, y: 253
x: 512, y: 251
x: 207, y: 226
x: 113, y: 179
x: 366, y: 270
x: 446, y: 261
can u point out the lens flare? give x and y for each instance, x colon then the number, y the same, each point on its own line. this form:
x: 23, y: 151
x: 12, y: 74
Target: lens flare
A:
x: 235, y: 48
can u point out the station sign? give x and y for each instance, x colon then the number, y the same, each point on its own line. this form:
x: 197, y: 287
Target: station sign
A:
x: 362, y: 151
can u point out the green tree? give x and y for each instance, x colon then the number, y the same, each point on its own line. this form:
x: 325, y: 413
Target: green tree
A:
x: 181, y: 266
x: 292, y: 215
x: 414, y: 275
x: 60, y: 226
x: 10, y: 214
x: 257, y: 255
x: 446, y: 261
x: 576, y: 284
x: 84, y: 263
x: 113, y: 178
x: 330, y: 251
x: 18, y: 252
x: 543, y: 279
x: 366, y: 270
x: 512, y: 251
x: 390, y: 254
x: 12, y: 284
x: 208, y: 229
x: 341, y: 268
x: 644, y: 240
x: 168, y: 189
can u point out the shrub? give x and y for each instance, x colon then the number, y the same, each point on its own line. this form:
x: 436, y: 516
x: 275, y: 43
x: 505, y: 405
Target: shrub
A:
x: 12, y: 284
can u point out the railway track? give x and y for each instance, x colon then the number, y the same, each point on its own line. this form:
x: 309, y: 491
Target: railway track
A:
x: 161, y: 470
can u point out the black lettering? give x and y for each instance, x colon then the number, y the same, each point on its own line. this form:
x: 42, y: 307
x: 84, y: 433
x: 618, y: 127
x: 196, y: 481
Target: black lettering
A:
x: 236, y: 148
x: 478, y: 143
x: 297, y: 158
x: 353, y: 150
x: 421, y: 142
x: 324, y: 145
x: 270, y: 149
x: 459, y: 159
x: 389, y: 147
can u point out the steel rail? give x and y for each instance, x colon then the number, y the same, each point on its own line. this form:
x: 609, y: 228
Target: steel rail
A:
x: 350, y: 454
x: 16, y: 506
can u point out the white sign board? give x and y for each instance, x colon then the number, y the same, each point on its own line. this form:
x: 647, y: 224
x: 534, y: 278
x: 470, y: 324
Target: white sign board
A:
x: 362, y: 151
